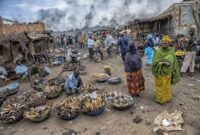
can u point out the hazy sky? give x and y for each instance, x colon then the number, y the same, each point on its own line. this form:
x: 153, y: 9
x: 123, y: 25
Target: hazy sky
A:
x: 66, y: 14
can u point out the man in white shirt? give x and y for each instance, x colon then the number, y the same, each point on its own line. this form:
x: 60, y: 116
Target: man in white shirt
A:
x: 109, y: 42
x: 90, y: 44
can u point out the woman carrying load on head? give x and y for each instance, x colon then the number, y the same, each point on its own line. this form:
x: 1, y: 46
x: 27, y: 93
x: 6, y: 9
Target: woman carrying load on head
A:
x: 133, y: 69
x: 149, y: 51
x: 166, y: 71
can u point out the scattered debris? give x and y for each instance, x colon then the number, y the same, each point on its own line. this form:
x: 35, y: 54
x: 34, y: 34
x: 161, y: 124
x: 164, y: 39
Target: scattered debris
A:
x: 137, y: 119
x: 190, y: 84
x: 102, y: 128
x: 97, y: 133
x: 169, y: 122
x: 131, y: 112
x: 45, y: 128
x: 197, y: 80
x: 1, y: 128
x: 70, y: 132
x: 148, y: 122
x: 158, y: 131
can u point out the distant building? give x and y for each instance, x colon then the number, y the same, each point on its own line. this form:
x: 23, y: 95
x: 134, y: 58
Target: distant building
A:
x: 176, y: 20
x: 9, y: 26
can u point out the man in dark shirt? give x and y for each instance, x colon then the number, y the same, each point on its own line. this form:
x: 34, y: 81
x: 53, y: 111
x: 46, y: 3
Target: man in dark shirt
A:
x: 123, y: 44
x: 189, y: 60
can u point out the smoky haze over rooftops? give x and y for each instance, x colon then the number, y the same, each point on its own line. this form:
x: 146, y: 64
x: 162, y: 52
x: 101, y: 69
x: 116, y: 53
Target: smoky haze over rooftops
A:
x: 63, y: 15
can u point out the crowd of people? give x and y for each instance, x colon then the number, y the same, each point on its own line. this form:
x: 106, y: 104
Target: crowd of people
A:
x: 159, y: 53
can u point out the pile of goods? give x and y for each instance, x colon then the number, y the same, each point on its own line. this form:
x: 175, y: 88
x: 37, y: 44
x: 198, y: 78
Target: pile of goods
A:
x: 68, y: 109
x: 73, y: 66
x: 8, y: 90
x: 114, y: 80
x: 38, y: 114
x: 12, y: 112
x: 2, y: 97
x: 19, y: 98
x: 101, y: 77
x: 52, y: 91
x: 93, y: 106
x: 38, y: 85
x: 34, y: 98
x: 88, y: 88
x: 180, y: 53
x: 122, y: 102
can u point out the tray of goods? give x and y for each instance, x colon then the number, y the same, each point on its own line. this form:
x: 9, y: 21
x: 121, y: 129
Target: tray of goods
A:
x: 52, y: 91
x: 19, y: 98
x: 114, y: 80
x: 122, y: 102
x: 38, y: 113
x: 35, y: 98
x: 88, y: 88
x: 101, y: 77
x: 2, y: 97
x: 10, y: 89
x: 69, y: 109
x: 93, y: 106
x: 38, y: 85
x: 56, y: 81
x: 73, y: 66
x: 12, y: 112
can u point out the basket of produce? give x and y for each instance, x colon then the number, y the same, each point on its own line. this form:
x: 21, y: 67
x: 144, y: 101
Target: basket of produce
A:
x: 56, y: 81
x: 180, y: 53
x: 38, y: 85
x: 122, y: 102
x: 38, y: 114
x: 101, y: 77
x: 35, y: 98
x: 73, y: 66
x: 68, y: 109
x: 114, y: 80
x: 93, y: 106
x: 2, y: 97
x: 19, y: 98
x: 88, y: 88
x: 12, y: 112
x: 13, y: 88
x: 52, y: 91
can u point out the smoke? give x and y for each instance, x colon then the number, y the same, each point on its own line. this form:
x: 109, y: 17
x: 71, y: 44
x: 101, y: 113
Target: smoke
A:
x: 80, y: 13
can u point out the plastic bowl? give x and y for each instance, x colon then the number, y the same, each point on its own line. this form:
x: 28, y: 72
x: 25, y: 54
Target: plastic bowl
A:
x: 96, y: 113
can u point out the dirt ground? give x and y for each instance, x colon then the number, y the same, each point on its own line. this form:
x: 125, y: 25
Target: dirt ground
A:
x: 112, y: 122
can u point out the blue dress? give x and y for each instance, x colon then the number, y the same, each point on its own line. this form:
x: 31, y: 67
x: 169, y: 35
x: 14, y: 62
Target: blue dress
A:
x: 149, y: 53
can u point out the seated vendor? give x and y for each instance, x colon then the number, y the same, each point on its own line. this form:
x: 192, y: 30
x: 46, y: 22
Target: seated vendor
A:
x: 21, y: 69
x: 3, y: 73
x: 73, y: 83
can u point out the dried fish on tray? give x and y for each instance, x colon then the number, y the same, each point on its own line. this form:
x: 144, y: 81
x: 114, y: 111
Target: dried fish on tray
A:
x: 38, y: 114
x: 2, y: 98
x: 12, y: 112
x: 122, y: 102
x: 73, y: 66
x: 93, y: 106
x: 52, y: 91
x: 88, y: 88
x: 35, y: 98
x: 68, y: 109
x: 19, y: 98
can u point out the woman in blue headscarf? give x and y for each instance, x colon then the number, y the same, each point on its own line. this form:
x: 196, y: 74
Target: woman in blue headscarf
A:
x: 133, y: 69
x: 149, y: 52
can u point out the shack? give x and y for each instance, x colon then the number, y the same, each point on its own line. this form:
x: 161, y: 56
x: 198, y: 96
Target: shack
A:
x: 176, y: 20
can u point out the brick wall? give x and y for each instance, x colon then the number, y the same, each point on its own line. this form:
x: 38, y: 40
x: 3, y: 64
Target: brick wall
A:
x: 6, y: 28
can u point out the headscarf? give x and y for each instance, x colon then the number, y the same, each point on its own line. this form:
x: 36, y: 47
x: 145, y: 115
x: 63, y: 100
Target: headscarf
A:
x: 149, y: 36
x: 166, y: 38
x: 132, y: 48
